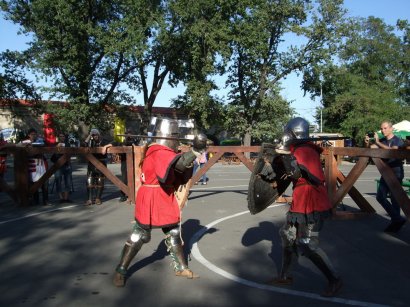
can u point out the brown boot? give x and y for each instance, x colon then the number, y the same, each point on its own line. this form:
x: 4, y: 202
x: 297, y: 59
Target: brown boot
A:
x: 118, y: 280
x: 333, y: 288
x: 280, y: 281
x: 98, y: 201
x: 186, y: 273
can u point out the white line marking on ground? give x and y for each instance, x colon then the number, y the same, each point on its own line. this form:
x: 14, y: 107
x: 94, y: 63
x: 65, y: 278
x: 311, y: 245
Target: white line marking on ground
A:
x: 36, y: 213
x: 198, y: 256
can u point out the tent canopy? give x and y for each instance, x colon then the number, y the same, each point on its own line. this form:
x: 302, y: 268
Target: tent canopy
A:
x: 402, y: 129
x: 402, y: 126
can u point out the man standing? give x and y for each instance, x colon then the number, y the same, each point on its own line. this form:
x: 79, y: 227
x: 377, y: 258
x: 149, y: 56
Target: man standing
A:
x: 128, y: 141
x: 64, y: 173
x: 95, y: 178
x: 389, y: 141
x: 309, y: 208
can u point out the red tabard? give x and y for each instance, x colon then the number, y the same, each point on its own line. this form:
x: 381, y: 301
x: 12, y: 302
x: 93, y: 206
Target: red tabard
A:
x: 156, y: 205
x: 309, y: 199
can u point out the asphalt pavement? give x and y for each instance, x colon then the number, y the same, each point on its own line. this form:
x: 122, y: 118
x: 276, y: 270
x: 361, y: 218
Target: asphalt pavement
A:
x: 65, y: 254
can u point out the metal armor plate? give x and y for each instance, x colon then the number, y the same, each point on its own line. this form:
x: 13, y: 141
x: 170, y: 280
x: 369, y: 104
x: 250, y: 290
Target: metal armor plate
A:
x: 264, y: 187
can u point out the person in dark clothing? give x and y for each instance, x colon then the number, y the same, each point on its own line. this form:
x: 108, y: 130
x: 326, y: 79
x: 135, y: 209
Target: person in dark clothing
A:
x: 95, y: 178
x: 389, y: 141
x: 64, y: 173
x: 128, y: 141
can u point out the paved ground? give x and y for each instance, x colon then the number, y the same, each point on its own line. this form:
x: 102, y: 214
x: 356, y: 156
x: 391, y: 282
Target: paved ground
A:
x: 64, y: 255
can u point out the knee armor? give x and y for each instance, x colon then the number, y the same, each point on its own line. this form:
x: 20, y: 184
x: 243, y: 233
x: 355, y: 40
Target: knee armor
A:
x: 288, y: 235
x: 307, y: 240
x: 174, y: 237
x: 139, y: 233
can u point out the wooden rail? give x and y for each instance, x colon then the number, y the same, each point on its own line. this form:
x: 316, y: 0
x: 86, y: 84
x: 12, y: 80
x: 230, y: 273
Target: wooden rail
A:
x: 23, y: 190
x: 338, y: 184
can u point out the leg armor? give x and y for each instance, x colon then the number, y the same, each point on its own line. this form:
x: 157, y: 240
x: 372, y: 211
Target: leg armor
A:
x: 308, y: 244
x: 90, y: 186
x: 289, y: 252
x: 99, y: 187
x: 174, y: 245
x: 138, y: 237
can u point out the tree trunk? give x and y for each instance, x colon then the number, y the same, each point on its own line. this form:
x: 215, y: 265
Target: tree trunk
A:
x: 247, y: 142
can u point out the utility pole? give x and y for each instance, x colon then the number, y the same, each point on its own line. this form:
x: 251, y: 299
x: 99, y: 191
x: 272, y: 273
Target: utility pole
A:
x: 321, y: 108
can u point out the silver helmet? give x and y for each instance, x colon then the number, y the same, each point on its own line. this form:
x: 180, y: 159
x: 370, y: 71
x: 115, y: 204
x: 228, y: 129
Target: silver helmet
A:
x: 166, y: 128
x: 297, y: 128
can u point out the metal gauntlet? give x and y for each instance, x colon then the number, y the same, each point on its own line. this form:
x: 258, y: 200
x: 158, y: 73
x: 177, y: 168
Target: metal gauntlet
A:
x: 185, y: 162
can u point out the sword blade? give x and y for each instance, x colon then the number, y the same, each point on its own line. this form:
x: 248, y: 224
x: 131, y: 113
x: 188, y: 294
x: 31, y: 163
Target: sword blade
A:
x: 152, y: 137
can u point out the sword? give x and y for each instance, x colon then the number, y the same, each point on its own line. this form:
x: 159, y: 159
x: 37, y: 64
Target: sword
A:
x: 324, y: 138
x: 153, y: 137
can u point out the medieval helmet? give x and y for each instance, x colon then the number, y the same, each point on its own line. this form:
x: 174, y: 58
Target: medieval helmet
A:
x: 166, y: 128
x: 297, y: 128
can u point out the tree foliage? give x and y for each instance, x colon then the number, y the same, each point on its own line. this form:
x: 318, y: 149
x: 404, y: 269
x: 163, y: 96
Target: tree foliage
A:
x: 262, y: 57
x: 370, y: 79
x: 98, y: 54
x: 14, y: 83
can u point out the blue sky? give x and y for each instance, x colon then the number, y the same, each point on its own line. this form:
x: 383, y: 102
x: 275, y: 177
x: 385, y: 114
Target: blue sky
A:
x: 388, y: 10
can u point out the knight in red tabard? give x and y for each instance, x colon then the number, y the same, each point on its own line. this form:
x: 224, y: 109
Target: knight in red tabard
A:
x: 162, y: 171
x: 309, y: 208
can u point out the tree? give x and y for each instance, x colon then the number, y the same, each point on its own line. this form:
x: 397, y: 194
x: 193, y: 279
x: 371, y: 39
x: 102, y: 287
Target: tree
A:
x: 95, y: 52
x: 370, y: 78
x: 13, y: 81
x: 204, y: 28
x: 261, y: 58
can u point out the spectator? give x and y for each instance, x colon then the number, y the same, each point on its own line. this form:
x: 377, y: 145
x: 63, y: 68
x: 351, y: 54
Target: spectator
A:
x: 64, y: 173
x: 198, y: 164
x: 389, y: 141
x: 128, y: 141
x: 95, y: 178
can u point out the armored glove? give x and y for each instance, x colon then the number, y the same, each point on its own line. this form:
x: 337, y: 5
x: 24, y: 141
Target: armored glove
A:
x: 267, y: 171
x: 292, y: 169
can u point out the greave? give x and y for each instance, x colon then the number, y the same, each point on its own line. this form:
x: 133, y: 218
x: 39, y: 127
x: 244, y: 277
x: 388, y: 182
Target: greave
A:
x: 99, y: 187
x: 324, y: 265
x: 176, y: 251
x: 90, y: 193
x: 128, y: 253
x: 288, y: 257
x: 99, y: 192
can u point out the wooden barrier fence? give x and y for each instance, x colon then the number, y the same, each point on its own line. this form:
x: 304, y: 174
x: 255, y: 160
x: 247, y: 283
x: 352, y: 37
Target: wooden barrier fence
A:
x: 338, y: 184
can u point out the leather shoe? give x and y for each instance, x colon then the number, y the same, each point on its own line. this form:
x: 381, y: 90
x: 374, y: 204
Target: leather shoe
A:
x: 118, y: 280
x: 281, y: 281
x: 186, y: 273
x: 333, y: 288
